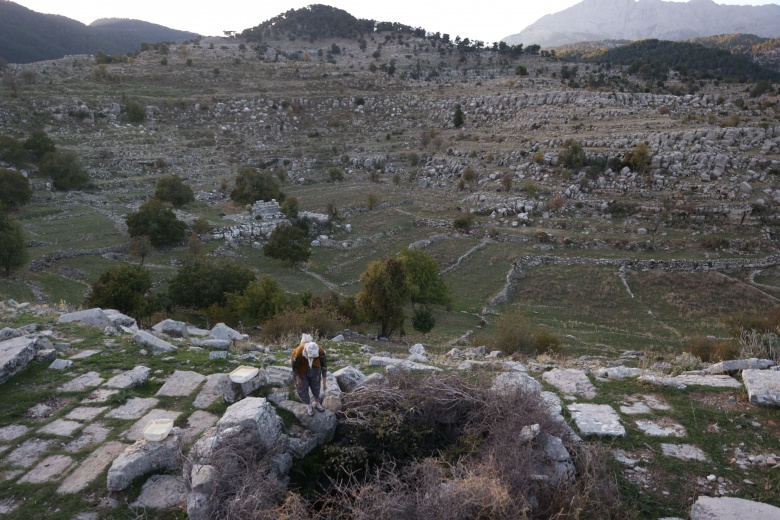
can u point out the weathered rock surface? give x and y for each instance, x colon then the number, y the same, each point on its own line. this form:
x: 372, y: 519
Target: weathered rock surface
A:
x: 254, y: 414
x: 570, y: 381
x: 729, y: 508
x: 136, y: 431
x: 683, y: 451
x: 717, y: 381
x: 50, y: 468
x: 86, y: 413
x: 223, y: 332
x: 147, y: 339
x: 82, y: 382
x: 232, y: 392
x: 15, y: 354
x: 162, y: 492
x: 763, y: 386
x: 61, y: 427
x: 144, y: 457
x: 210, y: 391
x: 28, y: 452
x: 92, y: 317
x: 129, y: 379
x: 733, y: 365
x: 349, y: 378
x: 172, y: 328
x: 181, y: 384
x: 92, y: 466
x: 323, y: 424
x: 511, y: 381
x: 658, y: 429
x: 597, y: 419
x: 134, y: 408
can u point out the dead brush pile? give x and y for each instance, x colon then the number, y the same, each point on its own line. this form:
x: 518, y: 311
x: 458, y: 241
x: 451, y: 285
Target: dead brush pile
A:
x: 449, y: 447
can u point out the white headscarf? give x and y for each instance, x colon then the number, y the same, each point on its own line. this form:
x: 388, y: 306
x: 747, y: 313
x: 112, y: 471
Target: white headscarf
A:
x: 311, y: 351
x: 306, y: 338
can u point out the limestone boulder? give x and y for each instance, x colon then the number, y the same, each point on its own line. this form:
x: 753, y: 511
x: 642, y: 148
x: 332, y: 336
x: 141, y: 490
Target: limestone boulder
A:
x: 254, y: 414
x: 223, y: 332
x: 145, y: 457
x: 172, y: 328
x: 147, y: 339
x: 233, y: 392
x: 512, y: 381
x: 349, y: 378
x: 729, y: 508
x: 763, y: 386
x: 15, y: 354
x: 92, y: 317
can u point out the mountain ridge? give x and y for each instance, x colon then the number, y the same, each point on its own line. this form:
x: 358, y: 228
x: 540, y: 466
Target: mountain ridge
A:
x: 644, y: 19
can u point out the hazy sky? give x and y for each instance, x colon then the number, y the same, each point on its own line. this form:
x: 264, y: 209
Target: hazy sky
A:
x: 487, y: 21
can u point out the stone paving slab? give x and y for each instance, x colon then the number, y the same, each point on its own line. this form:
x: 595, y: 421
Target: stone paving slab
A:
x: 638, y: 408
x: 715, y: 381
x: 82, y: 382
x: 86, y: 413
x: 91, y: 435
x: 84, y: 354
x: 665, y: 429
x: 101, y: 395
x: 7, y: 506
x: 12, y: 432
x: 182, y: 383
x: 134, y: 408
x: 763, y: 386
x: 197, y: 423
x: 210, y: 391
x: 597, y: 419
x: 61, y: 427
x: 10, y: 475
x: 162, y: 492
x: 570, y: 381
x: 50, y: 468
x: 92, y: 467
x: 136, y: 431
x: 729, y: 508
x: 683, y: 451
x: 27, y: 453
x: 131, y: 378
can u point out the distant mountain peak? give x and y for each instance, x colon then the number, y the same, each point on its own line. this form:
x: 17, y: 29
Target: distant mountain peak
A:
x: 641, y: 19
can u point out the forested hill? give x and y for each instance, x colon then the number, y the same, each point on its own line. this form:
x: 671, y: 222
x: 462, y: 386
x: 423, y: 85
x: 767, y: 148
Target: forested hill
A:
x: 658, y: 56
x: 312, y: 22
x: 27, y: 36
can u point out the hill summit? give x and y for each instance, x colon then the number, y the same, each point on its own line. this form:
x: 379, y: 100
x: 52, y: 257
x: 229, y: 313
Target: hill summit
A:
x: 592, y: 20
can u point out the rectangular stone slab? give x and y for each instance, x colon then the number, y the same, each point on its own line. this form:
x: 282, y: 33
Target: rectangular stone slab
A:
x: 92, y: 467
x: 763, y: 386
x: 50, y: 468
x: 136, y: 431
x: 597, y: 419
x: 181, y: 384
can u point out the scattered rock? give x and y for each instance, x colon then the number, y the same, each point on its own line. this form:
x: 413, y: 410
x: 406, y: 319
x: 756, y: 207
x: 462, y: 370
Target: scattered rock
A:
x: 728, y: 508
x: 181, y: 384
x: 129, y: 379
x: 142, y: 458
x: 162, y: 492
x: 146, y: 339
x: 597, y: 419
x: 683, y: 451
x: 349, y: 378
x: 92, y: 317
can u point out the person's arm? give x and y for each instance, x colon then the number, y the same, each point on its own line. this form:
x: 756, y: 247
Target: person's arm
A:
x: 324, y: 368
x: 296, y: 375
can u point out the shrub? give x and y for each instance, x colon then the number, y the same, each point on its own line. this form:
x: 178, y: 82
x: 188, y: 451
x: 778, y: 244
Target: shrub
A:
x: 290, y: 207
x: 13, y: 245
x: 252, y: 185
x: 172, y: 189
x: 684, y: 363
x: 201, y: 226
x: 710, y: 350
x: 530, y: 188
x: 755, y: 344
x: 123, y: 288
x: 65, y: 170
x: 140, y: 246
x: 14, y: 189
x: 200, y: 283
x: 135, y: 111
x: 336, y: 174
x: 372, y: 200
x: 520, y: 70
x: 289, y: 244
x: 464, y: 222
x: 516, y: 334
x: 38, y: 144
x: 156, y: 220
x: 324, y: 322
x: 13, y: 151
x: 259, y: 301
x: 572, y: 155
x: 557, y: 203
x: 423, y: 320
x: 638, y: 157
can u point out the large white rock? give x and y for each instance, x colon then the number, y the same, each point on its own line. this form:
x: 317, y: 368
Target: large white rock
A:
x: 733, y: 365
x: 349, y: 378
x: 172, y: 328
x: 511, y: 381
x: 147, y: 339
x: 144, y: 457
x: 92, y: 317
x: 254, y: 414
x: 728, y: 508
x: 181, y: 384
x: 570, y: 381
x: 597, y: 419
x: 134, y: 377
x: 232, y: 392
x: 763, y: 386
x: 15, y: 354
x: 222, y: 331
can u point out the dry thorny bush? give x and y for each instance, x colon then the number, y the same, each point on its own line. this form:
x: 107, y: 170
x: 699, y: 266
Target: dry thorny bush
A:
x: 453, y: 452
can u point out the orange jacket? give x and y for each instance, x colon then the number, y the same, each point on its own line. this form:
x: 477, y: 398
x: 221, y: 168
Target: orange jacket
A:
x: 301, y: 364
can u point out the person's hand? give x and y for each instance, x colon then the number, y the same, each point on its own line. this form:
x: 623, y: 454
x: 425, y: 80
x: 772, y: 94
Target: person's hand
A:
x: 324, y: 384
x: 298, y: 381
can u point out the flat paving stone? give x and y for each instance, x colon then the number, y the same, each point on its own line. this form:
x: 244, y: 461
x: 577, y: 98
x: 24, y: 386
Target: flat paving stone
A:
x: 82, y: 383
x: 86, y: 413
x: 162, y: 492
x: 92, y: 467
x: 84, y: 354
x: 197, y: 423
x: 715, y: 381
x: 729, y: 508
x: 10, y: 475
x: 27, y: 453
x: 763, y: 386
x: 597, y: 419
x: 570, y: 381
x: 50, y: 468
x: 661, y: 429
x: 12, y: 432
x: 136, y: 431
x: 7, y: 506
x: 182, y: 383
x: 61, y: 427
x: 683, y: 451
x: 210, y: 391
x: 101, y: 395
x: 134, y: 408
x: 91, y: 435
x: 129, y: 379
x: 639, y: 408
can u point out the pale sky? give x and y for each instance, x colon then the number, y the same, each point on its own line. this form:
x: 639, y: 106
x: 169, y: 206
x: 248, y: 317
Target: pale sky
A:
x: 488, y: 22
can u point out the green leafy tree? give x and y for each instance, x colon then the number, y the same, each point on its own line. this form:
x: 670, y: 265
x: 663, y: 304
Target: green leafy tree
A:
x: 140, y: 246
x: 458, y: 118
x: 289, y: 244
x: 13, y: 151
x: 202, y: 282
x: 135, y: 111
x: 638, y: 157
x: 426, y: 285
x: 156, y: 220
x: 65, y: 170
x: 261, y: 300
x: 290, y: 207
x: 38, y: 144
x: 14, y: 189
x: 385, y: 292
x: 464, y: 222
x: 172, y: 189
x: 123, y: 288
x: 13, y: 246
x: 253, y: 185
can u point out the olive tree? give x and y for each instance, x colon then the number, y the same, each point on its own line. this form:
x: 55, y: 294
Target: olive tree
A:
x: 13, y: 246
x: 156, y: 220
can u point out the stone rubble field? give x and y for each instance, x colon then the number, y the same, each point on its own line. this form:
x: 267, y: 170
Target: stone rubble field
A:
x: 87, y: 436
